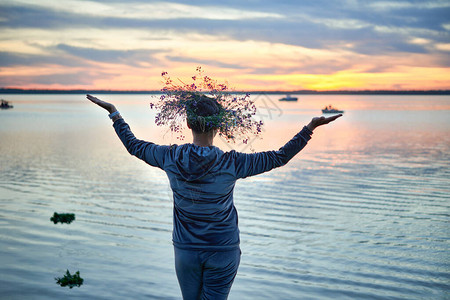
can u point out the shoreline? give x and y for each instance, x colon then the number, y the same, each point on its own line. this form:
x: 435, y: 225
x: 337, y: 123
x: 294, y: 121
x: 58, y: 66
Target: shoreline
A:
x: 299, y: 92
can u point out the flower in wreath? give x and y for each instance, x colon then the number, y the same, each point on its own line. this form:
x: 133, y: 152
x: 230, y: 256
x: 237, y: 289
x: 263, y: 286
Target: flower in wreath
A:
x: 231, y: 114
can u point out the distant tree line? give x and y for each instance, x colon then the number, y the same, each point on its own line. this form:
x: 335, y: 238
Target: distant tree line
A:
x: 299, y: 92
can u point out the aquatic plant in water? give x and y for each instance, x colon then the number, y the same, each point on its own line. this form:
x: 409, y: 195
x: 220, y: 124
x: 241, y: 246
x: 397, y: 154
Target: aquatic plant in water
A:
x: 70, y: 280
x: 234, y: 120
x: 62, y: 218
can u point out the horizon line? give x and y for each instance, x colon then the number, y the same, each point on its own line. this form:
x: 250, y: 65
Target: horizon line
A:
x: 303, y: 92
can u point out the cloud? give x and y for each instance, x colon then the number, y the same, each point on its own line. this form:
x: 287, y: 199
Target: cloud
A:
x: 9, y: 59
x: 52, y: 80
x: 71, y: 56
x: 293, y: 23
x: 15, y: 16
x: 143, y: 10
x: 204, y: 62
x: 399, y: 5
x: 129, y: 57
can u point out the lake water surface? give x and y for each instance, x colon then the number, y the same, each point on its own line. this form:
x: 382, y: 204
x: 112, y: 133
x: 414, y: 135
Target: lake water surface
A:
x: 361, y: 213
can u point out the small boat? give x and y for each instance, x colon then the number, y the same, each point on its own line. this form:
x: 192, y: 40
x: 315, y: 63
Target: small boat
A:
x: 5, y: 105
x: 288, y: 98
x: 331, y: 110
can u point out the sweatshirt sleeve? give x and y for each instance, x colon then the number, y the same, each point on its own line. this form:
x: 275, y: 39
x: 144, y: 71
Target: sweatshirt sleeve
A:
x: 257, y: 163
x: 149, y: 152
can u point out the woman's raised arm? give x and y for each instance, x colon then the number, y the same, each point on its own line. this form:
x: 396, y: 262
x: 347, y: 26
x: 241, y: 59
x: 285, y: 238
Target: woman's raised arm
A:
x: 257, y: 163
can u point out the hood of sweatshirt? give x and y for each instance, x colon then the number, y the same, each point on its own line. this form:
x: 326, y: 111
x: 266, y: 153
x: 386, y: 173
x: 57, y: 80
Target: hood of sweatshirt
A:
x: 194, y: 162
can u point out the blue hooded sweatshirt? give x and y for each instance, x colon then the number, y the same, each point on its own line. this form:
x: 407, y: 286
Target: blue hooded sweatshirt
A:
x: 202, y: 180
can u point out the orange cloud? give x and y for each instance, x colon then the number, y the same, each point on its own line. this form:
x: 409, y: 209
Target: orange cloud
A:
x: 247, y: 65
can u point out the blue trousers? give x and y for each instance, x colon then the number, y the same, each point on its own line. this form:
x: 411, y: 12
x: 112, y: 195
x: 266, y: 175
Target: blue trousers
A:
x: 206, y: 275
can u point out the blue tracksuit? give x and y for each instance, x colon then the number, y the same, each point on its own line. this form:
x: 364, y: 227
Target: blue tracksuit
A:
x: 202, y: 180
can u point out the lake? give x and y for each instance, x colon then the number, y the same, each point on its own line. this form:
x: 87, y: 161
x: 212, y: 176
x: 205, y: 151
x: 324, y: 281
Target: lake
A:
x: 361, y: 213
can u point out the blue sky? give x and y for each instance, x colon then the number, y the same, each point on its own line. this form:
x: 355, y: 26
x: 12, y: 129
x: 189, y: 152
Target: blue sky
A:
x: 270, y: 45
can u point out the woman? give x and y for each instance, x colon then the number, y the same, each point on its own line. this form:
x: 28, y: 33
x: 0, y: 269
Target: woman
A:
x: 202, y: 178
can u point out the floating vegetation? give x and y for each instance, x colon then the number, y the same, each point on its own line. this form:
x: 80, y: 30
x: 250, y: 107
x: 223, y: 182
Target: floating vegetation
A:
x: 70, y: 280
x: 63, y: 218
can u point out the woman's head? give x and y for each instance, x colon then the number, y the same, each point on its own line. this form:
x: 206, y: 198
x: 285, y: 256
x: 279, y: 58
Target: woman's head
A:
x: 201, y: 112
x: 208, y: 107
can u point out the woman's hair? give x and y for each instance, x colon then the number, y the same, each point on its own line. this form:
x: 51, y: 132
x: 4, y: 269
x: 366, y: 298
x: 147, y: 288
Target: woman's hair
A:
x: 201, y: 111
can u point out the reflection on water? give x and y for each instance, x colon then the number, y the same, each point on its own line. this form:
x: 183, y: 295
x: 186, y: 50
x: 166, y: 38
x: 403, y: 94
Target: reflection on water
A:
x: 362, y: 212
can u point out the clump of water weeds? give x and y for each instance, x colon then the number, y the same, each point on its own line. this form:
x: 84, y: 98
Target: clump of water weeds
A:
x: 62, y: 218
x: 70, y: 280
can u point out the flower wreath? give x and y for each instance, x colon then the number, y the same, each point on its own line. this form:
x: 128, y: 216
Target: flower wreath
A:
x: 178, y: 101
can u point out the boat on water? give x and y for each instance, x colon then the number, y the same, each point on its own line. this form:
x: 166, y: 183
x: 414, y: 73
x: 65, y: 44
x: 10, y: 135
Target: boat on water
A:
x: 331, y: 110
x: 288, y: 98
x: 5, y: 105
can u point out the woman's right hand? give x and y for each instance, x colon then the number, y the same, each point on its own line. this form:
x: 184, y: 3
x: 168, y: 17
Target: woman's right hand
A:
x: 103, y: 104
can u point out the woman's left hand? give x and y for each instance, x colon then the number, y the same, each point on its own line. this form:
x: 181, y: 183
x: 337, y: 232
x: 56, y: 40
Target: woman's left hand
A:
x: 103, y: 104
x: 319, y: 121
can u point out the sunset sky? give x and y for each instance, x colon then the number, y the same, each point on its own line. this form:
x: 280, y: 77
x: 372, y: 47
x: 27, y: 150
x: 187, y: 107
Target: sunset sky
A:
x: 255, y: 45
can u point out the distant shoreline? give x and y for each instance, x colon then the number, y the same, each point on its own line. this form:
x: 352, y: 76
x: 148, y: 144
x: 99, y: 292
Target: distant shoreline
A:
x: 300, y: 92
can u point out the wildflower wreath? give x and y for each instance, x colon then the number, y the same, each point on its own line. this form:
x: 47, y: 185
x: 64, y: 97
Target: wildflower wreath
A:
x: 233, y: 121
